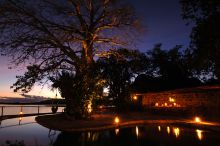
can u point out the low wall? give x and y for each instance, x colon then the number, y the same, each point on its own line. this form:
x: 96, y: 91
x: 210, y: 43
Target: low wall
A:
x: 203, y: 100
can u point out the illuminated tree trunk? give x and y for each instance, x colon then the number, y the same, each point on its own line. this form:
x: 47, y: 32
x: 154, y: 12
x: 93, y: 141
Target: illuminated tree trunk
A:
x: 78, y: 104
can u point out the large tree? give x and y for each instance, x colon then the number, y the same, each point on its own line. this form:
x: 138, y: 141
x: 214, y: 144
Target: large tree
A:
x: 205, y: 36
x: 172, y: 68
x: 118, y: 70
x: 53, y: 35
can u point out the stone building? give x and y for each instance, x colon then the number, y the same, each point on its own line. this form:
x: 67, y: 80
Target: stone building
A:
x: 200, y: 100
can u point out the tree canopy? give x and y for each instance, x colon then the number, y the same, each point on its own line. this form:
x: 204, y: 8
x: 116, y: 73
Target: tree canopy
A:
x: 50, y: 36
x: 205, y: 36
x: 118, y: 70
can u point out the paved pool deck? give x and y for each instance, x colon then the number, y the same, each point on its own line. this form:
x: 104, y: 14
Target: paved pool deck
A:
x: 106, y: 121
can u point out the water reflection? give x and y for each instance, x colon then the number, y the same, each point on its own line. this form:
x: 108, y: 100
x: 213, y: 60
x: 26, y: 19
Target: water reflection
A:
x: 136, y: 136
x: 51, y: 136
x: 162, y: 135
x: 176, y: 132
x: 159, y: 129
x: 149, y: 136
x: 137, y: 131
x: 199, y: 134
x: 168, y: 129
x: 116, y: 131
x: 19, y: 121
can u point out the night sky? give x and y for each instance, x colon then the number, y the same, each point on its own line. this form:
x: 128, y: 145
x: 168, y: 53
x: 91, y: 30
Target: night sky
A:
x: 162, y: 23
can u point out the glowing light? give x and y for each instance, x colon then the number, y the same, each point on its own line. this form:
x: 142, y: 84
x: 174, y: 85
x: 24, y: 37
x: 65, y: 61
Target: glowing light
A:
x: 21, y: 113
x: 176, y: 131
x: 174, y: 103
x: 20, y: 118
x: 171, y: 99
x: 135, y: 97
x: 197, y: 120
x: 117, y: 120
x: 137, y: 131
x: 89, y: 135
x: 199, y: 134
x: 156, y: 104
x: 116, y: 131
x: 168, y: 129
x: 89, y: 107
x: 165, y: 104
x: 159, y: 129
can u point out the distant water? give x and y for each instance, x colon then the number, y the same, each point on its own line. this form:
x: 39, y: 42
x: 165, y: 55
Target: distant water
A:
x: 26, y: 109
x: 27, y: 130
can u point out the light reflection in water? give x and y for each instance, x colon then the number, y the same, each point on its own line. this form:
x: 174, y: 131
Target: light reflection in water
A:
x: 176, y: 132
x: 168, y: 129
x: 20, y: 119
x: 199, y: 134
x: 116, y: 131
x: 89, y: 135
x: 137, y: 131
x: 159, y: 129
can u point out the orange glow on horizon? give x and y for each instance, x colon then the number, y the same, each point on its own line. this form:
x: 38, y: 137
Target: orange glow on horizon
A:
x: 5, y: 91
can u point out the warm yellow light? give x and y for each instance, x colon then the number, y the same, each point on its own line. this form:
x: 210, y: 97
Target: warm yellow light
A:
x: 199, y: 134
x: 20, y: 113
x: 137, y: 131
x: 135, y: 97
x: 165, y: 104
x: 174, y: 103
x: 116, y: 131
x: 168, y: 129
x: 89, y: 107
x: 20, y: 118
x: 197, y: 120
x: 117, y: 120
x: 176, y: 131
x: 171, y: 99
x: 156, y: 104
x: 159, y: 129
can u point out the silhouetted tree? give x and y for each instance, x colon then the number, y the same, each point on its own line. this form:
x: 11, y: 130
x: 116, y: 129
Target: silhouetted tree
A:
x: 63, y: 35
x: 170, y: 69
x: 119, y: 69
x: 205, y: 35
x: 68, y: 84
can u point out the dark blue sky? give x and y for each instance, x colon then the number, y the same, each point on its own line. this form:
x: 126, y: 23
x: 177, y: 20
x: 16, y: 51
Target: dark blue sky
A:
x: 161, y: 20
x: 163, y: 23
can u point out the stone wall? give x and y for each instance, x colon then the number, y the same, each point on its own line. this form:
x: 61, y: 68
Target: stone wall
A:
x: 200, y: 99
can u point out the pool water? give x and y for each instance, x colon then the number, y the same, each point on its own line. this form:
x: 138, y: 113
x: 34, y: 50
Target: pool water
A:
x: 27, y: 130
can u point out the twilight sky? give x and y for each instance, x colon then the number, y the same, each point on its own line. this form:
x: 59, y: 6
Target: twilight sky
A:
x: 163, y: 24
